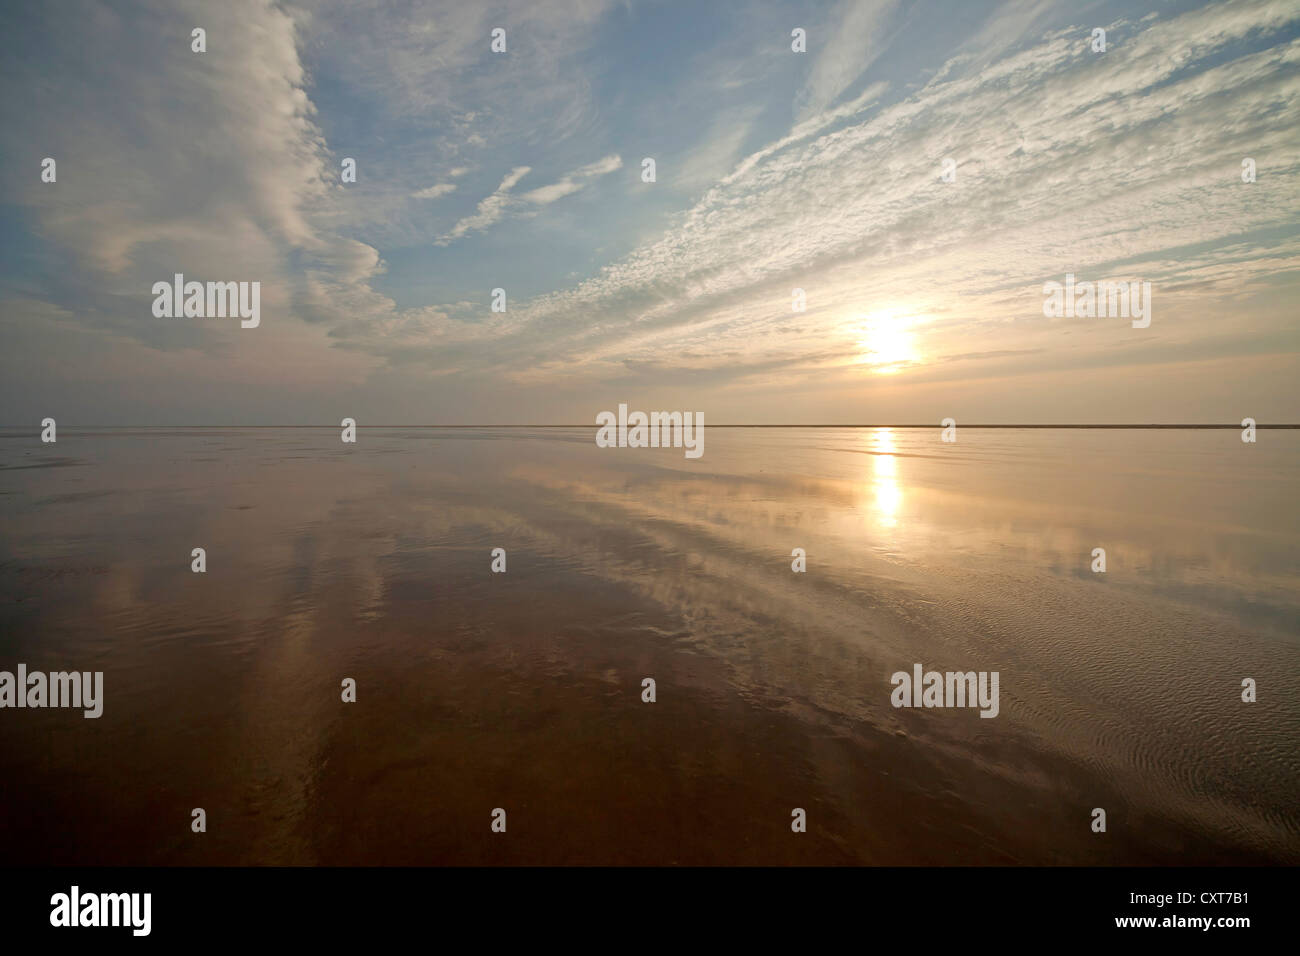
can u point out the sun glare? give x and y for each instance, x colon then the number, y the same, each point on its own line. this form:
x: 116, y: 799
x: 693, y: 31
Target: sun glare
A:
x: 887, y: 344
x: 884, y: 467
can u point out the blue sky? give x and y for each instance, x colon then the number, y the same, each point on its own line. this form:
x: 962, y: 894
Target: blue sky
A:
x: 775, y: 170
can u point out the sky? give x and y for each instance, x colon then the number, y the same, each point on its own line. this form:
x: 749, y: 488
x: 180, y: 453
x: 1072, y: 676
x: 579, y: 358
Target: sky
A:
x: 775, y: 170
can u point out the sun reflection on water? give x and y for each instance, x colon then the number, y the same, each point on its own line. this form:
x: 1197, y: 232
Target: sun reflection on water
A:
x: 884, y: 468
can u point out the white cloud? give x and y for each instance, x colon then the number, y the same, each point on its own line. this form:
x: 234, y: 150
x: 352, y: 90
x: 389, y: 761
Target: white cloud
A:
x: 490, y: 210
x: 433, y: 192
x: 496, y: 206
x: 1114, y: 164
x: 251, y: 159
x: 858, y: 217
x: 859, y: 35
x: 573, y: 182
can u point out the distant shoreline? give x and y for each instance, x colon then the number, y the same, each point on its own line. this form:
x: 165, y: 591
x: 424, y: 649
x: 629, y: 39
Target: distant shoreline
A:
x: 590, y: 425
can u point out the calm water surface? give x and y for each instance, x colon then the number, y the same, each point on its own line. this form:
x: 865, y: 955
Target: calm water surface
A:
x: 523, y: 690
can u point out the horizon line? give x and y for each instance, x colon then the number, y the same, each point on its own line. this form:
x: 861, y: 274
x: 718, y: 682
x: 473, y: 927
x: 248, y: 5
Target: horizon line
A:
x: 1112, y: 425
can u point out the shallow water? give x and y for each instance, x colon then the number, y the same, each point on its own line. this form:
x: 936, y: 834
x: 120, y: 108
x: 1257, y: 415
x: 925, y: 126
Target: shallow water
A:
x: 523, y: 690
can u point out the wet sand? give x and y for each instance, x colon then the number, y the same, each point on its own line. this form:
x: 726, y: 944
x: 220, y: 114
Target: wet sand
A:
x: 523, y: 690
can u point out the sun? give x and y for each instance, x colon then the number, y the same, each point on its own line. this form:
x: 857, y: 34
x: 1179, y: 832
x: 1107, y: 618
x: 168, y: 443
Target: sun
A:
x: 887, y: 344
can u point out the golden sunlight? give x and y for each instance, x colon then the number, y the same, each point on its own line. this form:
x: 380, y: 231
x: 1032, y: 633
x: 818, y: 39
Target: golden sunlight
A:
x: 887, y: 343
x: 888, y: 492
